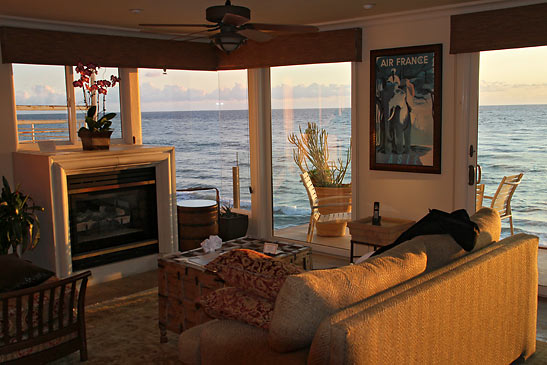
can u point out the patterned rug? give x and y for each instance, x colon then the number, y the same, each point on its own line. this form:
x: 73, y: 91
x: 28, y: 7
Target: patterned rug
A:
x: 125, y: 331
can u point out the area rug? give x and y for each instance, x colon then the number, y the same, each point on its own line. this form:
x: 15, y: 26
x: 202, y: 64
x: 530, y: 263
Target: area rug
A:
x: 125, y: 331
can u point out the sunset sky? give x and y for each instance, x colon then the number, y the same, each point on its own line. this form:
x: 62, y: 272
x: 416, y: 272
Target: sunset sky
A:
x: 506, y: 77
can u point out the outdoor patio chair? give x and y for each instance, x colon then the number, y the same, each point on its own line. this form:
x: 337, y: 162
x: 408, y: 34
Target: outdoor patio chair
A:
x: 501, y: 201
x: 479, y: 196
x: 316, y: 203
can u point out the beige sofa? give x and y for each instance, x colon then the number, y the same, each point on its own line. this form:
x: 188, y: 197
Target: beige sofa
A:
x: 424, y: 302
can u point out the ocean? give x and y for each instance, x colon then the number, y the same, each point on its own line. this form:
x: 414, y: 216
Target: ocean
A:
x: 208, y: 143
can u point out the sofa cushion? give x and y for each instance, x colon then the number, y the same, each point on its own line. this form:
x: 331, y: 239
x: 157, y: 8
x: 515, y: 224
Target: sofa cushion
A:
x: 238, y: 304
x: 489, y: 223
x: 252, y: 271
x: 306, y: 299
x: 20, y: 274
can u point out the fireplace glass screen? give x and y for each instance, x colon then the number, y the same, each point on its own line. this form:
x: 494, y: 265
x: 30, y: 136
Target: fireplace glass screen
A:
x: 113, y: 216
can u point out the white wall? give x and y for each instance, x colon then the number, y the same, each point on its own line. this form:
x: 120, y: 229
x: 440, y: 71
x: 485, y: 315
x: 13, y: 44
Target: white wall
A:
x: 401, y: 194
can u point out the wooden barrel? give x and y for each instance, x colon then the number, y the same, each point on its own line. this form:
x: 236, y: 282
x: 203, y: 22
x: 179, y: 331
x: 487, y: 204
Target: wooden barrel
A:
x: 197, y: 220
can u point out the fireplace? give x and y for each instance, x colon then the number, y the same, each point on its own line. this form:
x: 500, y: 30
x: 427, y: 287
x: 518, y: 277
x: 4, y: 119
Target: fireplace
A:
x: 127, y: 202
x: 112, y: 216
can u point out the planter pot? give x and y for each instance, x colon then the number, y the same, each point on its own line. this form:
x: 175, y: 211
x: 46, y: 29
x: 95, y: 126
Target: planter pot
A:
x: 333, y: 229
x: 94, y: 140
x: 233, y: 227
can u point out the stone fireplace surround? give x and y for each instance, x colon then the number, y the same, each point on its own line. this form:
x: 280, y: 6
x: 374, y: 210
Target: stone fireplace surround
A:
x: 43, y: 176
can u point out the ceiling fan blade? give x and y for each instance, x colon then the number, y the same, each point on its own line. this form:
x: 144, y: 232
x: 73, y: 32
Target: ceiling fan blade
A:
x: 255, y: 35
x: 289, y: 28
x: 177, y: 25
x: 234, y: 19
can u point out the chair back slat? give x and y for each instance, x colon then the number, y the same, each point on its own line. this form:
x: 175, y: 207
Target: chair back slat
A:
x: 310, y: 189
x: 50, y: 310
x: 479, y: 196
x: 71, y: 303
x: 18, y: 318
x: 41, y: 313
x: 62, y: 298
x: 30, y: 315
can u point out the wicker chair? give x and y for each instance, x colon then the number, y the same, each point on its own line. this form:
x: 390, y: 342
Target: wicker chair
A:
x: 44, y: 322
x: 501, y: 201
x: 316, y: 204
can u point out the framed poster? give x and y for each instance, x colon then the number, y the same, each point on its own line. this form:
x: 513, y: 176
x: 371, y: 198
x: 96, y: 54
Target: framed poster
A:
x: 405, y: 109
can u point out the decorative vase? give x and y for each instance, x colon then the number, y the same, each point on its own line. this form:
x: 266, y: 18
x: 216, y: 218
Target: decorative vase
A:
x: 95, y: 140
x: 334, y: 229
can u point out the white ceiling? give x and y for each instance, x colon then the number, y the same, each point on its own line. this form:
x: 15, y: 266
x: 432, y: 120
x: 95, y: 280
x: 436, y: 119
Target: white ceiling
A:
x: 117, y: 12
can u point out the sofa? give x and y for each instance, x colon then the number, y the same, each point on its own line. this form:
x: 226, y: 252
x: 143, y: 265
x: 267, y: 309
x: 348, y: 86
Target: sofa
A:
x: 426, y: 301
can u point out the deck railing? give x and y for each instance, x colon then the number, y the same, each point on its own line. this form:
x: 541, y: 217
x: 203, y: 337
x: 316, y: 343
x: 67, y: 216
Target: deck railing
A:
x: 29, y: 129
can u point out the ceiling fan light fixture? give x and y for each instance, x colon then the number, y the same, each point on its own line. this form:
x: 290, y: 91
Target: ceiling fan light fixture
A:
x: 228, y: 41
x: 369, y: 6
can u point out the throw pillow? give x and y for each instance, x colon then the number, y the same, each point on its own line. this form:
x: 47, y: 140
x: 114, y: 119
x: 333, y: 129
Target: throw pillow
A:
x: 237, y: 304
x: 20, y: 274
x: 253, y: 271
x: 307, y: 299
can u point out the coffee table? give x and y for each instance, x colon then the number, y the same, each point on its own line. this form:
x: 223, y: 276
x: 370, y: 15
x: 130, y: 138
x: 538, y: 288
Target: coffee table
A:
x: 363, y: 232
x: 182, y: 279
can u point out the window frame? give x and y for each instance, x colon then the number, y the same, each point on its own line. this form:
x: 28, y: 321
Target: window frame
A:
x: 71, y: 108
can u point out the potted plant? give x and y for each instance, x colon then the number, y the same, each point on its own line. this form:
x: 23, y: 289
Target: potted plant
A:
x: 311, y: 155
x: 231, y: 225
x: 96, y: 136
x: 19, y: 225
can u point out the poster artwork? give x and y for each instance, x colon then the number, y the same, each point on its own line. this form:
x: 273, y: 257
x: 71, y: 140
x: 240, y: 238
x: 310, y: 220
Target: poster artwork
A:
x: 407, y: 114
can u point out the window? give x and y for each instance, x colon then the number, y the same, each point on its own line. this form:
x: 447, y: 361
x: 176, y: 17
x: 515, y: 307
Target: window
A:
x: 43, y: 97
x: 305, y: 94
x: 204, y: 114
x: 40, y: 96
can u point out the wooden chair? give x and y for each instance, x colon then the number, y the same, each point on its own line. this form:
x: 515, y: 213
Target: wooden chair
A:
x: 501, y: 201
x: 44, y: 322
x: 316, y: 204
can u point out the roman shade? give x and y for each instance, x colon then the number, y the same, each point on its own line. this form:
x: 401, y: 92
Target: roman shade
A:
x: 522, y: 26
x: 35, y: 46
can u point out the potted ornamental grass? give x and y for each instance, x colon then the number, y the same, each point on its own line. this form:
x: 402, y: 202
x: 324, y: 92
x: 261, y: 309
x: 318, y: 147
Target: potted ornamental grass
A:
x: 19, y: 225
x: 231, y: 224
x: 311, y: 155
x: 96, y: 134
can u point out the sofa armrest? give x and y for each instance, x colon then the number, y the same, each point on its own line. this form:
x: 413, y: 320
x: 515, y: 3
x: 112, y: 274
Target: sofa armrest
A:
x: 482, y: 311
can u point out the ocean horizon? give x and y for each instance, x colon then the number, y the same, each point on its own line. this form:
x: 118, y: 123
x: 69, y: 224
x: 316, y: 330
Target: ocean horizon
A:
x: 209, y: 143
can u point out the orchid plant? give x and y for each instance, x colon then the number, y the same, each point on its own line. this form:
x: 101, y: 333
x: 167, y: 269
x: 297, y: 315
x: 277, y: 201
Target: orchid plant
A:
x: 92, y: 90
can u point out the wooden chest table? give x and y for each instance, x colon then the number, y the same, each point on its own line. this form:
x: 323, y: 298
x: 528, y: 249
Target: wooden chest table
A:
x: 182, y: 279
x: 365, y: 233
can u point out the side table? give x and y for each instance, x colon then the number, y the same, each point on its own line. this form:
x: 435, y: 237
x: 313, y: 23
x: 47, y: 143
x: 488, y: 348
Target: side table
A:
x: 363, y: 232
x: 182, y: 279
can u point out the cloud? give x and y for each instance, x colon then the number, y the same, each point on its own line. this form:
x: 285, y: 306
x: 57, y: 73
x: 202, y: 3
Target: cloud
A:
x: 176, y: 93
x: 501, y: 86
x: 313, y: 90
x: 40, y: 95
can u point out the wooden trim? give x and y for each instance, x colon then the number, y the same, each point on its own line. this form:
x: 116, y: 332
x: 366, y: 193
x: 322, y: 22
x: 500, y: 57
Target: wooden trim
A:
x: 522, y: 26
x: 342, y: 45
x: 35, y: 46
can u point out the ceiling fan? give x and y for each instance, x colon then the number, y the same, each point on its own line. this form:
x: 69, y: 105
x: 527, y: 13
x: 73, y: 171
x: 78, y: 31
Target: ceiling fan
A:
x: 232, y: 24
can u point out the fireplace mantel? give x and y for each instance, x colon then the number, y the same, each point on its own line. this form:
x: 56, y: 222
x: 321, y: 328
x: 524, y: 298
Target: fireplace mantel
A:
x: 43, y: 176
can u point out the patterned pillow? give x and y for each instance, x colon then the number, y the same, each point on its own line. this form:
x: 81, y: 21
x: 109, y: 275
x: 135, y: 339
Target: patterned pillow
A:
x: 253, y: 271
x: 235, y: 303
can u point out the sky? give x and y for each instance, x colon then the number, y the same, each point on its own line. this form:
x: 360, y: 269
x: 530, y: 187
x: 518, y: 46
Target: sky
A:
x: 507, y: 77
